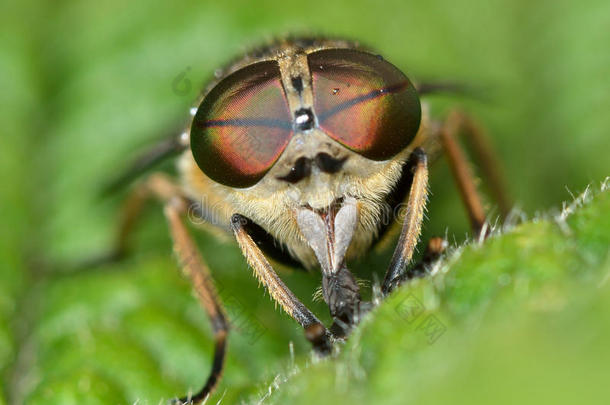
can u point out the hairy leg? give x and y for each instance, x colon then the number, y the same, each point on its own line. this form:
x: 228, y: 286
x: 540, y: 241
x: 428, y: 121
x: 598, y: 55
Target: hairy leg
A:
x: 315, y: 332
x: 458, y: 123
x: 411, y: 227
x: 161, y: 188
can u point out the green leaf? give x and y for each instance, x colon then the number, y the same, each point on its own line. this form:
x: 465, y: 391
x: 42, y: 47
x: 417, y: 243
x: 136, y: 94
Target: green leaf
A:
x: 520, y: 319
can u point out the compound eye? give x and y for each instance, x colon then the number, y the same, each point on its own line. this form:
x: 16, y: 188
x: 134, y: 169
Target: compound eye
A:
x: 364, y: 102
x: 242, y: 126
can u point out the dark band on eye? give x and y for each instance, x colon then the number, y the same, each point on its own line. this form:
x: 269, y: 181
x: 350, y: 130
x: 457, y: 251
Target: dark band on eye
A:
x: 396, y: 88
x: 242, y: 126
x: 246, y: 122
x: 364, y: 102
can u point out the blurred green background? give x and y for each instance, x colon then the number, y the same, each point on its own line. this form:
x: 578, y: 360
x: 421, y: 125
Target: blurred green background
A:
x: 84, y: 85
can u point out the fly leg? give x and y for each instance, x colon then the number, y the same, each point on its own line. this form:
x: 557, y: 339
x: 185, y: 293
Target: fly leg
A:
x: 411, y: 227
x: 315, y: 331
x: 133, y: 205
x: 160, y: 187
x: 196, y: 269
x: 435, y: 248
x: 458, y: 123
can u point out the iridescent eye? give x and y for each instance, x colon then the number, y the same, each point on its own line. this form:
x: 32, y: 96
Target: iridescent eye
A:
x: 364, y: 102
x: 242, y: 126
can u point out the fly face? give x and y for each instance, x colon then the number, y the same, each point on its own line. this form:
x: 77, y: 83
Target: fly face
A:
x: 307, y: 143
x: 294, y: 136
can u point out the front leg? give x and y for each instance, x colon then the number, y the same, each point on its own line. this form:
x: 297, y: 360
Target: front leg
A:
x: 315, y: 331
x: 411, y: 228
